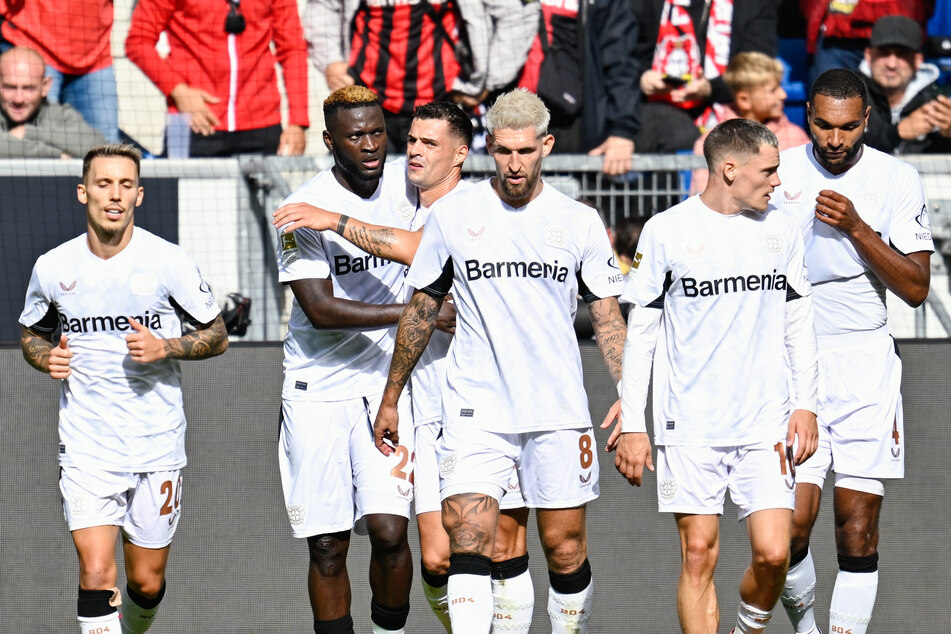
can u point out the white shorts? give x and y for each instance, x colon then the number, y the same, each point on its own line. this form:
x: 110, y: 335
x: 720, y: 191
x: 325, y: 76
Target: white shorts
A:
x: 427, y: 474
x: 147, y: 506
x: 861, y: 426
x: 556, y: 469
x: 694, y: 480
x: 332, y: 473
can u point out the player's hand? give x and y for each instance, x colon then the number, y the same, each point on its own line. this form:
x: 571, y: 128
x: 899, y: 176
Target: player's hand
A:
x: 617, y: 152
x: 633, y: 454
x: 614, y: 414
x: 337, y: 76
x: 194, y: 102
x: 446, y: 319
x: 652, y: 83
x: 300, y: 215
x: 293, y: 141
x: 386, y: 434
x: 803, y: 423
x: 835, y: 210
x: 144, y: 347
x: 59, y: 359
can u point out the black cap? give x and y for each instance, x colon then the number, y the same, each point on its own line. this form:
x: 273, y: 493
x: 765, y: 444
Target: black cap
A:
x: 896, y: 30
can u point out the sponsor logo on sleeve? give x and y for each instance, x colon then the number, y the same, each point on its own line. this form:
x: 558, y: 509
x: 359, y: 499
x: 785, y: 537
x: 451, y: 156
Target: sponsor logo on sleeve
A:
x: 290, y: 252
x: 924, y: 223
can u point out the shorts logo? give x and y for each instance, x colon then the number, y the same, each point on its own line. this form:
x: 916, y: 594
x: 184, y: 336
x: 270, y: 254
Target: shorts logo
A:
x: 300, y: 385
x: 670, y: 425
x: 296, y: 514
x: 446, y: 466
x: 81, y: 505
x: 585, y: 479
x: 556, y: 236
x: 466, y: 412
x: 668, y: 489
x: 403, y: 493
x: 773, y: 242
x: 896, y: 450
x: 143, y: 284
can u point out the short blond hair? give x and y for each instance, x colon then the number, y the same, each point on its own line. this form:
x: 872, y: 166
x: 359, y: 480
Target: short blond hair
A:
x: 518, y: 109
x: 750, y: 70
x: 349, y: 98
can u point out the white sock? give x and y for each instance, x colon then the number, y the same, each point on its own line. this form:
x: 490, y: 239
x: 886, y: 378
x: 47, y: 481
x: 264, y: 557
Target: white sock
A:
x: 438, y: 599
x: 514, y: 601
x: 852, y: 601
x: 750, y: 619
x: 376, y: 629
x: 135, y: 618
x: 470, y: 603
x: 570, y: 613
x: 107, y: 624
x: 799, y: 596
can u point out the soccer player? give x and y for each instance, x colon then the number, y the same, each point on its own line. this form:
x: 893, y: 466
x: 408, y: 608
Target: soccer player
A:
x: 115, y: 294
x: 515, y: 253
x: 719, y: 281
x: 865, y: 225
x: 438, y: 143
x: 340, y: 337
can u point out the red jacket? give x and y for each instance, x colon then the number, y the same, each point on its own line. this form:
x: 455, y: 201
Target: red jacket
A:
x: 73, y: 37
x: 857, y: 24
x: 237, y: 69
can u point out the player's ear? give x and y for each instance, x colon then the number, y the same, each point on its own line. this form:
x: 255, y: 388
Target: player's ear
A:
x: 328, y: 141
x: 728, y: 169
x: 462, y: 152
x: 548, y: 142
x: 81, y: 193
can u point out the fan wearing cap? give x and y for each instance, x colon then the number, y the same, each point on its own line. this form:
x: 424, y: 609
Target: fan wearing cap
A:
x: 909, y: 115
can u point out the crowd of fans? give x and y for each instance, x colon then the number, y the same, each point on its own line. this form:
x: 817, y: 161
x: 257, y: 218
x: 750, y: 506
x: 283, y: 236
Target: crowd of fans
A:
x: 619, y: 76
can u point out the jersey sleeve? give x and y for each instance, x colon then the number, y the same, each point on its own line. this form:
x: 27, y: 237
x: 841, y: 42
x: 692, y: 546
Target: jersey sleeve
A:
x: 909, y: 230
x: 432, y: 265
x: 797, y: 277
x: 189, y: 290
x: 37, y: 305
x: 600, y: 276
x: 301, y: 255
x: 646, y: 283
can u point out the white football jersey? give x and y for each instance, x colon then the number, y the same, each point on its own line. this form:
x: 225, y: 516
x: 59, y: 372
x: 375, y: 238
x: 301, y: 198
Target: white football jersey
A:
x: 514, y: 365
x: 888, y: 195
x: 322, y: 364
x: 429, y: 375
x: 117, y: 414
x: 722, y: 282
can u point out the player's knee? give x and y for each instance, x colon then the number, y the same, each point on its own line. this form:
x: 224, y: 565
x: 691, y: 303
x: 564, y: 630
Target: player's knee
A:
x: 97, y: 574
x: 149, y: 587
x: 700, y: 555
x: 772, y: 561
x: 435, y: 561
x: 566, y: 555
x: 387, y: 534
x: 328, y: 553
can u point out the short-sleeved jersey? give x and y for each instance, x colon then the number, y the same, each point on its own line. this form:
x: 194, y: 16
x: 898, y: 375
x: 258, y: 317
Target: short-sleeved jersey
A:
x: 429, y: 375
x: 329, y: 365
x: 514, y: 364
x: 722, y: 282
x: 117, y: 414
x: 888, y: 195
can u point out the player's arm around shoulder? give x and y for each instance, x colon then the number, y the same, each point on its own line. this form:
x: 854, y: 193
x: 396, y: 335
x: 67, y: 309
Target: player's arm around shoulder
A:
x: 40, y: 353
x: 209, y: 340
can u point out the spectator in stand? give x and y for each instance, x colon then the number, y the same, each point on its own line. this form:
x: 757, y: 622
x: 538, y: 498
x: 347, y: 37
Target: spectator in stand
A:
x: 837, y: 32
x: 220, y: 71
x: 74, y: 40
x: 588, y: 78
x: 459, y: 50
x: 627, y: 231
x: 755, y: 80
x: 908, y: 115
x: 31, y: 127
x: 683, y: 47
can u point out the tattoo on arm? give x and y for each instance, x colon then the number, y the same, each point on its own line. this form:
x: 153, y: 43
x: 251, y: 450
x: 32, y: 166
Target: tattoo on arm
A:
x: 377, y: 241
x: 471, y: 519
x: 36, y: 349
x: 610, y: 330
x: 205, y: 342
x: 416, y: 327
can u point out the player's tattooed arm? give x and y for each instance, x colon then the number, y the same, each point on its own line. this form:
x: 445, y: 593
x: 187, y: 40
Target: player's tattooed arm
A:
x: 610, y: 331
x: 470, y: 519
x: 40, y: 353
x: 398, y: 245
x: 415, y: 329
x: 209, y: 340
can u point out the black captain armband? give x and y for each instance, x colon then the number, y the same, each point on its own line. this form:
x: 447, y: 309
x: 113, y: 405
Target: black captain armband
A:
x: 48, y: 324
x: 441, y: 286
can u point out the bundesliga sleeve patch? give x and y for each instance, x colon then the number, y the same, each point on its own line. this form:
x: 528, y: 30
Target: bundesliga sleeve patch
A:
x: 636, y: 262
x: 290, y: 252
